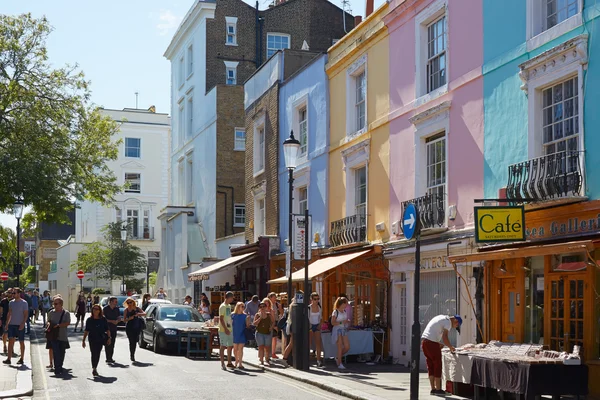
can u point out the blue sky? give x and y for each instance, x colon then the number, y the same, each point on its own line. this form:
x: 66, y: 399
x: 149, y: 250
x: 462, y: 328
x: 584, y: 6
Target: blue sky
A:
x: 119, y: 44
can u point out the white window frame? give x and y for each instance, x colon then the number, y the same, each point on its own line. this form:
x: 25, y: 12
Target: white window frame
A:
x: 299, y: 104
x: 354, y: 71
x: 181, y: 71
x: 231, y: 66
x: 430, y: 14
x: 558, y: 64
x: 430, y: 141
x: 260, y: 219
x: 189, y: 179
x: 139, y: 180
x: 301, y: 180
x: 139, y: 148
x: 259, y: 159
x: 355, y: 157
x: 231, y: 22
x: 239, y: 144
x: 300, y: 201
x: 180, y: 181
x: 190, y: 61
x: 189, y: 127
x: 237, y: 207
x: 181, y: 122
x: 274, y: 49
x: 537, y: 34
x: 134, y: 226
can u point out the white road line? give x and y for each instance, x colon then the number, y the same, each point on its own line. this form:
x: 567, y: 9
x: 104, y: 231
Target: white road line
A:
x: 44, y: 381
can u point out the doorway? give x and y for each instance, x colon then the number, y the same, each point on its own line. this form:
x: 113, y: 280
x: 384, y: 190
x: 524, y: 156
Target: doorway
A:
x: 510, y: 304
x: 567, y: 311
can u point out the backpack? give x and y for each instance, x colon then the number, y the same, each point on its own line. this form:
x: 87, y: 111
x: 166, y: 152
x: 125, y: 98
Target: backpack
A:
x: 329, y: 324
x: 282, y: 321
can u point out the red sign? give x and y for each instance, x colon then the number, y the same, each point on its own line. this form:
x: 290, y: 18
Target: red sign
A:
x: 80, y: 274
x: 4, y: 276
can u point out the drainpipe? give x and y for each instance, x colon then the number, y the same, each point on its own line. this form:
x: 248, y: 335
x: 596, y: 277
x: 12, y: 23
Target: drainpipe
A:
x: 224, y: 208
x: 258, y: 38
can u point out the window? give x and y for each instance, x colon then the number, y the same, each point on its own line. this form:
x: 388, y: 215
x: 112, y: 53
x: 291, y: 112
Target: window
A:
x: 132, y: 183
x: 181, y: 123
x: 560, y: 113
x: 231, y: 31
x: 132, y: 147
x: 360, y: 190
x: 436, y: 164
x: 303, y: 127
x: 118, y: 214
x: 133, y: 223
x: 259, y: 145
x: 240, y: 139
x: 231, y: 72
x: 239, y: 215
x: 259, y: 217
x: 557, y: 11
x: 549, y: 19
x: 231, y: 79
x: 436, y: 54
x: 277, y: 41
x: 189, y: 187
x: 180, y: 72
x: 146, y: 224
x: 302, y: 200
x: 190, y: 60
x: 261, y: 148
x: 180, y: 183
x: 190, y: 118
x: 361, y: 95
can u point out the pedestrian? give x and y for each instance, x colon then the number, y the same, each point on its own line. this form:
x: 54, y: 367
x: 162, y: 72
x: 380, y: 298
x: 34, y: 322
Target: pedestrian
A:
x: 27, y: 298
x: 225, y: 334
x: 96, y: 327
x: 252, y: 306
x: 434, y: 337
x: 46, y: 303
x: 80, y: 308
x: 161, y: 294
x: 314, y: 334
x: 239, y: 322
x: 188, y: 301
x: 203, y: 296
x: 18, y: 314
x: 146, y: 301
x: 288, y: 332
x: 264, y: 321
x: 204, y: 309
x: 113, y: 317
x: 96, y: 299
x: 131, y: 316
x: 35, y: 303
x: 277, y: 312
x: 88, y: 303
x: 4, y: 304
x: 48, y: 343
x: 339, y: 333
x: 58, y: 322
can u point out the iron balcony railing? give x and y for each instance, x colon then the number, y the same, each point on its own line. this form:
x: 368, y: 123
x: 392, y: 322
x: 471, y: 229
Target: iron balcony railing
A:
x: 142, y: 234
x: 431, y: 209
x: 547, y: 177
x: 348, y: 230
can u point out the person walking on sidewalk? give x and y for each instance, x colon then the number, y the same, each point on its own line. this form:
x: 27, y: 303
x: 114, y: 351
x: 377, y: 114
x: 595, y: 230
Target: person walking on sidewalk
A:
x: 146, y: 301
x: 113, y: 317
x: 25, y: 296
x: 80, y: 309
x: 132, y: 316
x: 7, y: 297
x: 35, y: 303
x: 239, y: 322
x: 263, y: 320
x: 339, y: 333
x: 314, y: 318
x: 18, y: 314
x: 276, y: 312
x: 96, y: 327
x: 225, y: 334
x: 46, y: 302
x: 434, y: 337
x: 59, y: 319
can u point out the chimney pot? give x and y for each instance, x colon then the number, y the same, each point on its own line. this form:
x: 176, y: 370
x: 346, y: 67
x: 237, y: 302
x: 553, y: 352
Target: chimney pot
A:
x: 370, y: 6
x: 357, y: 20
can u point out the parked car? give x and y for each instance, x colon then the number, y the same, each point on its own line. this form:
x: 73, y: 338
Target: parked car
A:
x: 120, y: 301
x: 153, y: 301
x: 163, y: 322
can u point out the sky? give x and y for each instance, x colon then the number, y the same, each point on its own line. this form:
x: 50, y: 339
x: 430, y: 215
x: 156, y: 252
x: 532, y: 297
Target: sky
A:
x: 119, y: 44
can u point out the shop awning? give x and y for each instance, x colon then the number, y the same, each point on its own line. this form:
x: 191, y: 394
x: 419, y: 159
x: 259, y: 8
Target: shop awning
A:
x: 204, y: 273
x: 528, y: 251
x: 320, y: 267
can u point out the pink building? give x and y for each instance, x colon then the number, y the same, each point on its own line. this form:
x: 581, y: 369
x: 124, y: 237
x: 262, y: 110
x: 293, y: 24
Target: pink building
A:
x: 436, y: 156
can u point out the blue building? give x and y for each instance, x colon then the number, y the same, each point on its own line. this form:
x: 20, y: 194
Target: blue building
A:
x: 304, y: 109
x: 541, y: 124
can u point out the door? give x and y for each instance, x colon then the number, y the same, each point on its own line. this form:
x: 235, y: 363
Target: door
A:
x: 567, y: 305
x: 510, y: 300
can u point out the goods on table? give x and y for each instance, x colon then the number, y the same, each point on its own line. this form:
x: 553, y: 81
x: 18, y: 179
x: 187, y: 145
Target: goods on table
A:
x: 519, y: 353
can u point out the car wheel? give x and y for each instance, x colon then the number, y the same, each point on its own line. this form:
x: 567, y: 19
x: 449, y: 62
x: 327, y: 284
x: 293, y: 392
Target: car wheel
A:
x: 155, y: 345
x: 142, y: 342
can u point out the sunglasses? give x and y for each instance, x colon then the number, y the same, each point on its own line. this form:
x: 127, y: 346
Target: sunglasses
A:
x: 316, y: 298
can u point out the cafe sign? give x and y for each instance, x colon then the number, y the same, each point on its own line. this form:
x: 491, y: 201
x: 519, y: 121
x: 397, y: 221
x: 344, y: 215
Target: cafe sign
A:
x: 499, y: 224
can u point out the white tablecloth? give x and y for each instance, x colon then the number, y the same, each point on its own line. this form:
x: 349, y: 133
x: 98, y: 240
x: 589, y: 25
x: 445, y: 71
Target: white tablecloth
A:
x: 456, y: 367
x: 361, y: 342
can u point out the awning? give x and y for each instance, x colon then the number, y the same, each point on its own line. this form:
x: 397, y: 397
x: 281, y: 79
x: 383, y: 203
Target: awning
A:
x: 529, y: 251
x: 320, y: 267
x: 572, y: 266
x: 204, y: 273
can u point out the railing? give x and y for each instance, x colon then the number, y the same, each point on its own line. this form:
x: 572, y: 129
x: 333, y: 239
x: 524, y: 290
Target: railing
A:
x: 348, y: 230
x: 548, y: 177
x: 143, y: 234
x: 431, y: 209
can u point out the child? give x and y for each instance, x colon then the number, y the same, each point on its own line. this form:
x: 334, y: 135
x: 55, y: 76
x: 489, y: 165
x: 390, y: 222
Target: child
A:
x: 239, y: 321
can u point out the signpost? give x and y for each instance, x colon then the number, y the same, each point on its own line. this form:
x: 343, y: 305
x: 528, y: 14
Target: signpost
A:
x: 302, y: 251
x: 301, y: 237
x: 288, y: 267
x: 411, y: 226
x: 81, y: 275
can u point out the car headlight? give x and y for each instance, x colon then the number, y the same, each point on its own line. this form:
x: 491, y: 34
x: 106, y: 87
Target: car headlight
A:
x: 170, y: 332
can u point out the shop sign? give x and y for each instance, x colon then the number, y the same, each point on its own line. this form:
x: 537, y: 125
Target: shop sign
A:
x: 557, y: 227
x: 431, y: 262
x: 500, y: 224
x: 300, y: 227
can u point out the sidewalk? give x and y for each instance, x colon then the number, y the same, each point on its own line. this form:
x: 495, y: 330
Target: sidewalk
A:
x: 16, y: 380
x: 359, y: 381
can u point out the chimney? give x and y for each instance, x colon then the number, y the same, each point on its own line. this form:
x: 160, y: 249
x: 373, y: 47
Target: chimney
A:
x: 369, y: 10
x: 357, y: 20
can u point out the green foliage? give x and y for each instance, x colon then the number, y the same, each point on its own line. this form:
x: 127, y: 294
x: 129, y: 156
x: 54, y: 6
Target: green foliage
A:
x: 138, y: 284
x: 54, y: 144
x: 29, y: 276
x: 152, y: 278
x: 98, y: 291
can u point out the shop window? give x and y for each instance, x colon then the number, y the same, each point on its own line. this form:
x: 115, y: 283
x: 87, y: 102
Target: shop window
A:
x: 534, y: 299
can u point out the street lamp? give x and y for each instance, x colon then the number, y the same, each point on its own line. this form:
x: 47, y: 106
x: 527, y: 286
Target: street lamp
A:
x: 291, y: 146
x: 18, y: 213
x: 123, y: 241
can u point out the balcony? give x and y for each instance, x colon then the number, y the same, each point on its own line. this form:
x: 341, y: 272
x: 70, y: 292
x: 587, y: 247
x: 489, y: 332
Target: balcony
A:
x: 348, y: 230
x: 431, y: 209
x: 551, y: 177
x: 145, y: 234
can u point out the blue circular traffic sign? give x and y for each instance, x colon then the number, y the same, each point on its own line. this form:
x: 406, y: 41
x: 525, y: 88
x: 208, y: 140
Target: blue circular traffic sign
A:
x: 410, y: 221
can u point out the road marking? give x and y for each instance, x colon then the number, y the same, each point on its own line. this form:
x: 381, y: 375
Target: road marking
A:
x: 41, y: 361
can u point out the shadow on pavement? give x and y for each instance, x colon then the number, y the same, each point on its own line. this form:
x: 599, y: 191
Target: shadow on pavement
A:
x: 141, y: 364
x: 118, y: 365
x: 103, y: 379
x: 65, y: 376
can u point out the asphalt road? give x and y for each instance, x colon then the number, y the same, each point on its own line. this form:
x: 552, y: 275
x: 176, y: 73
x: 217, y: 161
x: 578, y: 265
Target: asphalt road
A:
x: 155, y: 377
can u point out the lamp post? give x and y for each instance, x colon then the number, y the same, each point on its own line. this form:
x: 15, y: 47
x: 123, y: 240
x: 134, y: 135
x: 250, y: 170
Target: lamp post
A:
x: 291, y: 146
x: 18, y: 213
x: 123, y: 241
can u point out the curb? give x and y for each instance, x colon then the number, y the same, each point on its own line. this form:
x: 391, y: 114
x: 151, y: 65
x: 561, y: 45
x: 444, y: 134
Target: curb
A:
x: 24, y: 381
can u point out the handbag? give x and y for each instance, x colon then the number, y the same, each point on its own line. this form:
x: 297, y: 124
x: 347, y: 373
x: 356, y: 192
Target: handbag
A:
x: 51, y: 333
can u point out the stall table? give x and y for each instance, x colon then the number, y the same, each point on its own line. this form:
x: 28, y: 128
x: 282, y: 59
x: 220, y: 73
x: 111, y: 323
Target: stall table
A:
x: 361, y: 342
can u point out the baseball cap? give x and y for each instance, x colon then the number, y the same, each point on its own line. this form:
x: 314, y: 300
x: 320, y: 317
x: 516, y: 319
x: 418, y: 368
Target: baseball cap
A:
x: 459, y: 319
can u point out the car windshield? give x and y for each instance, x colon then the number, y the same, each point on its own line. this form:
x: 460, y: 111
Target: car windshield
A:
x: 185, y: 314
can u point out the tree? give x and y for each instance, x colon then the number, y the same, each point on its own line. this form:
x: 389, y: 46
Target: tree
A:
x: 54, y: 144
x: 133, y: 283
x: 152, y: 278
x: 29, y: 275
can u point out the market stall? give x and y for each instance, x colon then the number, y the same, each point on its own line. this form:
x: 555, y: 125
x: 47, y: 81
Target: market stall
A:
x: 361, y: 342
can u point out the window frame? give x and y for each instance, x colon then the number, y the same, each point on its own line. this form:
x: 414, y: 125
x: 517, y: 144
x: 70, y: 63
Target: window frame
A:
x: 353, y: 158
x: 356, y: 188
x: 537, y: 34
x: 231, y: 22
x: 139, y: 179
x: 190, y: 61
x: 236, y: 208
x: 189, y: 127
x: 231, y: 66
x: 260, y: 219
x: 352, y: 73
x: 440, y: 53
x: 180, y: 181
x: 139, y: 147
x: 182, y: 122
x: 259, y: 151
x: 181, y: 71
x: 237, y: 141
x: 432, y: 140
x: 189, y: 179
x: 136, y: 226
x: 273, y: 34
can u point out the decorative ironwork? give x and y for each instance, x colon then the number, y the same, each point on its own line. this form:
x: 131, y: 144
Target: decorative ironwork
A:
x: 547, y: 177
x: 348, y: 230
x: 431, y: 209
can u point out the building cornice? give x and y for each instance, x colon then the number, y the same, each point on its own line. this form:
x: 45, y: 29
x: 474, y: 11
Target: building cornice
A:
x: 429, y: 113
x: 200, y: 9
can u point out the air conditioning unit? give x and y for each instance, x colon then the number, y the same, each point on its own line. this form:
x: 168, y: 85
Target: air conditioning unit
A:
x: 396, y: 228
x: 380, y: 227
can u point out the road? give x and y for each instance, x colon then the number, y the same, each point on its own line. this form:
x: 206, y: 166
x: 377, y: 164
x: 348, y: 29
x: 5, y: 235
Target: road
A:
x: 155, y: 377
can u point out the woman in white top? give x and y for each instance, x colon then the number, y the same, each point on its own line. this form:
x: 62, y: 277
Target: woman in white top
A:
x: 339, y: 333
x: 314, y: 334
